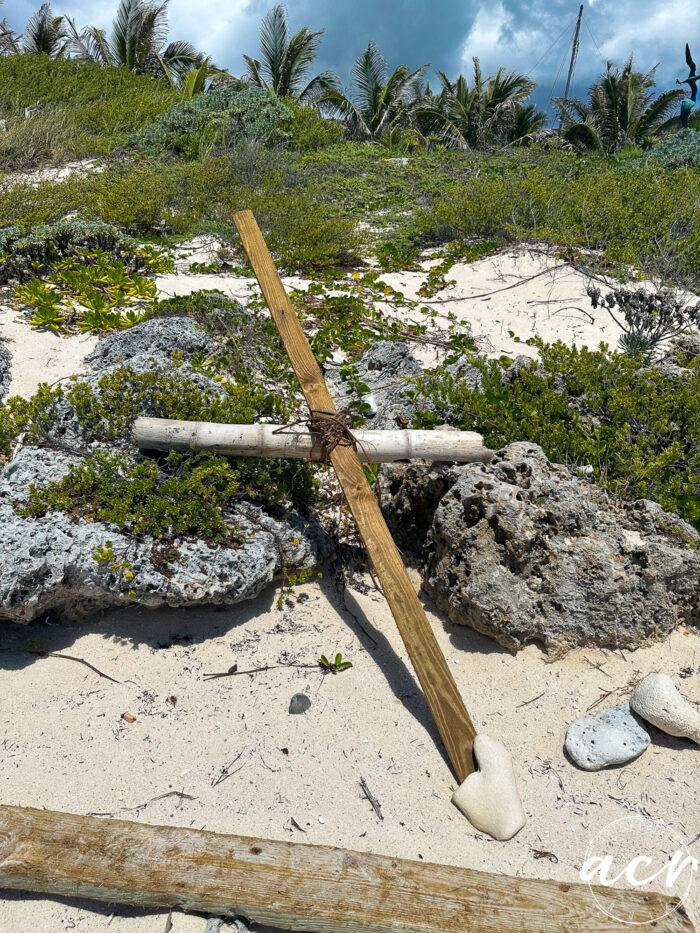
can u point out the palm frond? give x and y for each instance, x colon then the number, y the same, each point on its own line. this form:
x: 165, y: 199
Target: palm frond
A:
x: 46, y: 34
x: 584, y: 135
x: 88, y: 45
x: 320, y: 85
x: 274, y: 40
x: 299, y: 54
x: 253, y: 74
x: 9, y: 39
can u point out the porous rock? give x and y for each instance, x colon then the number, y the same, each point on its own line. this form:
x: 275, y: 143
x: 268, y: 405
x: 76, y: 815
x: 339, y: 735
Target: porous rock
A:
x: 157, y: 337
x: 48, y: 564
x: 613, y: 736
x: 658, y: 700
x: 387, y: 368
x: 145, y: 348
x: 489, y: 797
x: 522, y: 550
x: 5, y: 370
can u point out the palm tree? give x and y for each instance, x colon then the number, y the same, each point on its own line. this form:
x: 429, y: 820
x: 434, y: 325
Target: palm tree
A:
x: 46, y: 34
x: 139, y: 32
x: 620, y: 111
x: 9, y: 39
x: 379, y: 102
x: 490, y: 112
x: 527, y: 120
x: 286, y: 60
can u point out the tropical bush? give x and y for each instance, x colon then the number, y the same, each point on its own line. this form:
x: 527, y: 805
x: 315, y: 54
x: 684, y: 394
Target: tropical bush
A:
x: 683, y: 148
x: 308, y: 130
x: 643, y: 217
x: 26, y: 254
x: 220, y: 119
x: 28, y: 80
x: 188, y: 198
x: 636, y: 428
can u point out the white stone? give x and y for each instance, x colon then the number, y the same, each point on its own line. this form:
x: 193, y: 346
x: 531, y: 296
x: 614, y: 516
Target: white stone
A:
x: 489, y: 797
x: 657, y: 700
x: 611, y: 737
x: 371, y: 401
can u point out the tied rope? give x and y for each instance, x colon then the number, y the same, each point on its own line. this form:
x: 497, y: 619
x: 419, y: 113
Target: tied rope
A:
x: 332, y: 428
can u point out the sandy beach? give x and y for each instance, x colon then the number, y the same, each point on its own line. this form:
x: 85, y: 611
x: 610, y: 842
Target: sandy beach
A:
x: 226, y: 755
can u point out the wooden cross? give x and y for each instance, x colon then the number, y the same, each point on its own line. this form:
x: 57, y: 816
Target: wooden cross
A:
x: 448, y: 709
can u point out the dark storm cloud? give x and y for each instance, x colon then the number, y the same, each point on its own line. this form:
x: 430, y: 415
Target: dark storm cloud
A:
x: 409, y: 32
x: 523, y: 35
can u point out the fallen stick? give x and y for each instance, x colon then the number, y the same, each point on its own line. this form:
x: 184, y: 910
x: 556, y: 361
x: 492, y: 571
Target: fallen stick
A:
x: 273, y: 440
x: 436, y: 680
x: 296, y: 886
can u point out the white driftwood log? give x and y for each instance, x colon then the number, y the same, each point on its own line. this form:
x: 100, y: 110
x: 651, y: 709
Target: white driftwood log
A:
x: 298, y: 887
x: 260, y: 440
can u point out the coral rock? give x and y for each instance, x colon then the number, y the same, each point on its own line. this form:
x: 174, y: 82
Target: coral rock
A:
x: 489, y: 797
x: 658, y: 700
x: 613, y: 736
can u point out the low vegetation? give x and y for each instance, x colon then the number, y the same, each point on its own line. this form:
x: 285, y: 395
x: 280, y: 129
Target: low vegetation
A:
x: 384, y: 168
x: 635, y: 430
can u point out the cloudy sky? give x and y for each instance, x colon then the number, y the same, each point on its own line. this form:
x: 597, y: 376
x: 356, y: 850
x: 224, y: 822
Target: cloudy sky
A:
x: 523, y: 35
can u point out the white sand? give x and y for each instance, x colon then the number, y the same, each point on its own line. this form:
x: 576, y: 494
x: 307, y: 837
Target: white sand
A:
x: 526, y: 291
x: 40, y: 355
x: 523, y: 290
x: 552, y: 305
x: 36, y: 176
x: 64, y: 746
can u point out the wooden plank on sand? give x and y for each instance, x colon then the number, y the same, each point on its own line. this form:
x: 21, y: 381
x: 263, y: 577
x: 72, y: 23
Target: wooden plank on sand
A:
x: 292, y: 886
x: 448, y: 709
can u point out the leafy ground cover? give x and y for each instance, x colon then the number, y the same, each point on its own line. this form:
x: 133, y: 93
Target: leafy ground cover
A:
x: 325, y: 208
x: 636, y: 430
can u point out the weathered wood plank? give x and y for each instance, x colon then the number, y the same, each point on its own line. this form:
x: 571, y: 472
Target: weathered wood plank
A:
x: 296, y: 887
x: 274, y: 440
x: 446, y: 704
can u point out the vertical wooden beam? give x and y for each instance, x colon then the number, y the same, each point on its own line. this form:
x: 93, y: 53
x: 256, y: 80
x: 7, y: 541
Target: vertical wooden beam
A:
x: 448, y: 709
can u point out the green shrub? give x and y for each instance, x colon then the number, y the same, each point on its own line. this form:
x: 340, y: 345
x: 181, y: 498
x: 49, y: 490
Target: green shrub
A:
x: 646, y: 217
x: 308, y: 130
x: 185, y: 198
x: 83, y: 109
x: 176, y: 495
x: 219, y: 119
x: 639, y: 430
x: 683, y: 148
x: 28, y: 253
x: 30, y: 417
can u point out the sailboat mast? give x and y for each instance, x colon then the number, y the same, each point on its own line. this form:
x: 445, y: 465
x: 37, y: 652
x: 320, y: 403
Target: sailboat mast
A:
x: 574, y: 52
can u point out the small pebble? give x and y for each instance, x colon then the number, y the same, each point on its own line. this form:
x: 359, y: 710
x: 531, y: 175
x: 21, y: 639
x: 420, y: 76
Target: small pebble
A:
x: 321, y: 820
x: 299, y: 704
